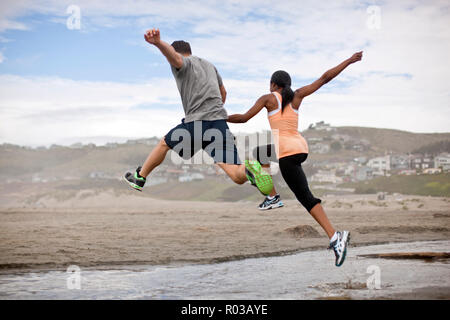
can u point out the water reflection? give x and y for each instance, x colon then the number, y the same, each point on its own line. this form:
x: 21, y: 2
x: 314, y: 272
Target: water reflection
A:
x: 306, y: 275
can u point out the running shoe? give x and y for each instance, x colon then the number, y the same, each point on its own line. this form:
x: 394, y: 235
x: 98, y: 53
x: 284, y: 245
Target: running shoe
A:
x: 339, y: 246
x: 258, y: 177
x: 135, y: 180
x: 273, y: 203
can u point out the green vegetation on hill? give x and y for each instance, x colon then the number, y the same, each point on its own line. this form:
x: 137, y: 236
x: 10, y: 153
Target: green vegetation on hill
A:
x: 81, y: 164
x: 437, y: 185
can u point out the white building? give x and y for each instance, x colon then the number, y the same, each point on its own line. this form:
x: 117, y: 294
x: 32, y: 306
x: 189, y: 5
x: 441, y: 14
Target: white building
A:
x: 432, y: 171
x: 341, y: 137
x: 442, y: 161
x: 380, y: 164
x: 321, y: 148
x: 191, y: 177
x: 326, y: 176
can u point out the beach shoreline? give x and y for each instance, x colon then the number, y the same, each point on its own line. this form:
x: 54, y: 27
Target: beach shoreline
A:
x: 109, y: 231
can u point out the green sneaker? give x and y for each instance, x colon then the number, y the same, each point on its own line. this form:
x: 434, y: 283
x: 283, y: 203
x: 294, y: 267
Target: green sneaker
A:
x: 258, y: 177
x: 134, y: 180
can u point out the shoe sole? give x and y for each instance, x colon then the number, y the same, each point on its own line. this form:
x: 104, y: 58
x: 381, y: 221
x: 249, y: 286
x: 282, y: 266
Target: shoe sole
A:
x: 131, y: 184
x: 272, y: 206
x: 263, y: 180
x: 347, y: 242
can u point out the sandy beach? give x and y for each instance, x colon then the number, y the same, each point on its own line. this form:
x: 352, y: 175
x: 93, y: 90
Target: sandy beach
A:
x: 105, y: 230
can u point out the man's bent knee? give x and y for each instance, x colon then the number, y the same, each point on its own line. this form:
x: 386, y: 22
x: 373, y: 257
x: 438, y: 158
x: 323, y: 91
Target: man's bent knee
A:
x: 238, y: 178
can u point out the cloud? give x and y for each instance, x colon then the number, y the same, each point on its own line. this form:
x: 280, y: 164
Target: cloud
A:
x: 46, y: 110
x: 36, y: 110
x: 401, y: 82
x: 2, y: 57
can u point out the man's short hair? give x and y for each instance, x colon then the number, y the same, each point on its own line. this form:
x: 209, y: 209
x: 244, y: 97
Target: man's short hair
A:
x: 181, y: 46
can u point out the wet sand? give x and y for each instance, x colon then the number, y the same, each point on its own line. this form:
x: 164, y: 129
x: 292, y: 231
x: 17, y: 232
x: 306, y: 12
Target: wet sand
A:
x: 106, y: 231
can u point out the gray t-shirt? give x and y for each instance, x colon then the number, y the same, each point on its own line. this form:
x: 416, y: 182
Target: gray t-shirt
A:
x: 198, y: 82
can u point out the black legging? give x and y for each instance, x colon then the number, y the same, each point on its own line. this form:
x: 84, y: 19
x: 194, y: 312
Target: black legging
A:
x: 292, y: 172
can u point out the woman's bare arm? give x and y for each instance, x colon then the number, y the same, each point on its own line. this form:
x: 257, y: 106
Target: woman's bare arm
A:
x: 253, y: 111
x: 325, y: 78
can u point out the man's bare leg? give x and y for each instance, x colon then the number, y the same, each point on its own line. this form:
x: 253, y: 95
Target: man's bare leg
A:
x: 154, y: 159
x: 320, y: 216
x: 235, y: 171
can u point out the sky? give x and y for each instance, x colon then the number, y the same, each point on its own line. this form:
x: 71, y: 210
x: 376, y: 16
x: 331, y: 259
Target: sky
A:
x: 81, y: 71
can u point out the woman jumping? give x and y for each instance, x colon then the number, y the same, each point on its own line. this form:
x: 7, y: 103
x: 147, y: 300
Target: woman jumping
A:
x: 291, y: 148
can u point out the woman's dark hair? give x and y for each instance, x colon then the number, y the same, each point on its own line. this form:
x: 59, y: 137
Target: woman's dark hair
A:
x: 283, y: 80
x: 181, y: 46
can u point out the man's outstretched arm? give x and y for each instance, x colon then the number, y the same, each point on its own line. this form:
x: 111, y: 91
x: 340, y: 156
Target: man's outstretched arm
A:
x: 153, y: 37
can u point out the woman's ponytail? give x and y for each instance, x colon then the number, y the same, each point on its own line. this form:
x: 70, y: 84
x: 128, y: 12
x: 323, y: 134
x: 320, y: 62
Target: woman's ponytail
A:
x: 283, y: 80
x: 287, y: 95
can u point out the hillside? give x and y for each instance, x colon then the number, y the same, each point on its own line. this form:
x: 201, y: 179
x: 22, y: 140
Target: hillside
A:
x: 437, y: 185
x: 84, y: 166
x: 380, y: 141
x: 394, y: 140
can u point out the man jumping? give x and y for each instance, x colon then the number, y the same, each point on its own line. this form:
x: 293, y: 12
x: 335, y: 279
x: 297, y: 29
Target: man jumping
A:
x: 205, y: 124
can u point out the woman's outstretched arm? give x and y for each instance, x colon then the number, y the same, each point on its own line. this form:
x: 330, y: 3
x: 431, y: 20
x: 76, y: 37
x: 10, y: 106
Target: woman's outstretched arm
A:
x: 325, y: 78
x: 253, y: 111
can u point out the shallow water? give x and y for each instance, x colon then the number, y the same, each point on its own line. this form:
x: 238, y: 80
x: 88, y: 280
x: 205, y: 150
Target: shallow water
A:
x: 305, y: 275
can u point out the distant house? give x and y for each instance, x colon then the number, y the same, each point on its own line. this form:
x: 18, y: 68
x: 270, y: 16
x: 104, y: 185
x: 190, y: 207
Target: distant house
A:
x: 321, y: 148
x: 358, y: 147
x: 407, y: 172
x: 420, y: 162
x: 380, y: 165
x: 400, y: 162
x: 321, y: 125
x: 36, y: 178
x: 147, y: 141
x: 350, y: 169
x: 191, y: 177
x: 432, y: 171
x: 99, y: 175
x: 152, y: 141
x: 111, y: 145
x: 156, y: 180
x: 341, y: 137
x: 174, y: 171
x: 77, y: 145
x: 363, y: 173
x: 360, y: 160
x: 326, y: 176
x: 442, y: 161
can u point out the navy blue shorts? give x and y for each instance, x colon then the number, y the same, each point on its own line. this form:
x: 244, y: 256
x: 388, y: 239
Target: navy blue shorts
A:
x: 212, y: 136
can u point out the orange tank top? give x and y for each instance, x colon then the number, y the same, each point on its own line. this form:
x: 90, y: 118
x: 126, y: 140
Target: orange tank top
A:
x: 284, y: 124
